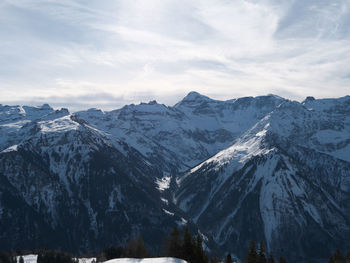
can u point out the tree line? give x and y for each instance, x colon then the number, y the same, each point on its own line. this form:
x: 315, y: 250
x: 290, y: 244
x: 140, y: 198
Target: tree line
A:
x: 338, y: 257
x: 179, y: 244
x: 258, y: 255
x: 186, y: 247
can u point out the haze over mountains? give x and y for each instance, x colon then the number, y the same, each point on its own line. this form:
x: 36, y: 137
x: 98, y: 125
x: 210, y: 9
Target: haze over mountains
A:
x: 254, y: 168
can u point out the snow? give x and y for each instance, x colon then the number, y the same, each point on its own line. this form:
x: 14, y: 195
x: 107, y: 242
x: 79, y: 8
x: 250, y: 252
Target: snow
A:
x: 33, y: 259
x: 168, y: 212
x: 63, y: 124
x: 10, y: 149
x: 163, y: 183
x: 182, y: 222
x: 237, y: 154
x: 146, y: 260
x: 87, y: 260
x: 115, y: 197
x: 270, y: 191
x: 29, y: 258
x: 164, y: 200
x: 191, y: 131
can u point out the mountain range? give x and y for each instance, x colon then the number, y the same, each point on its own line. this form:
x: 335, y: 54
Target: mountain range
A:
x: 255, y: 168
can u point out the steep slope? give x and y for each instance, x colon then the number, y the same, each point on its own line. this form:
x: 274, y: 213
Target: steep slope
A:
x: 272, y: 185
x: 179, y: 137
x: 84, y: 189
x: 14, y: 118
x: 260, y: 168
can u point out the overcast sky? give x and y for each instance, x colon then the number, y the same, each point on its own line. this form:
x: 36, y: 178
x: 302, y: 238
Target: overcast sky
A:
x: 107, y: 53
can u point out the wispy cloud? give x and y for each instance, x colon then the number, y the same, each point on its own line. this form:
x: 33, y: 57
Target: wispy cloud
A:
x: 136, y: 50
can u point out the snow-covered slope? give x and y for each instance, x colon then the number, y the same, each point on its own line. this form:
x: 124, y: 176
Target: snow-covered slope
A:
x: 261, y: 168
x: 275, y: 184
x: 13, y: 120
x: 33, y: 259
x: 182, y: 136
x: 68, y: 185
x: 146, y: 260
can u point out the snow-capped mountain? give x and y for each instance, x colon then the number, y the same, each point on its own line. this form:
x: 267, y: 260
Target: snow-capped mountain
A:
x: 67, y: 185
x: 179, y: 137
x: 255, y: 168
x: 286, y: 182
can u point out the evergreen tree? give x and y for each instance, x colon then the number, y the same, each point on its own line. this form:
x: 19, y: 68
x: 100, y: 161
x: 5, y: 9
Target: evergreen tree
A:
x: 40, y: 257
x: 136, y: 249
x: 252, y: 255
x: 21, y: 260
x: 271, y: 259
x: 6, y: 258
x: 113, y: 252
x: 141, y: 250
x: 215, y: 260
x: 337, y: 257
x: 188, y: 247
x: 228, y: 258
x: 54, y: 257
x: 175, y: 244
x: 200, y: 255
x: 261, y: 255
x: 348, y: 257
x: 282, y: 260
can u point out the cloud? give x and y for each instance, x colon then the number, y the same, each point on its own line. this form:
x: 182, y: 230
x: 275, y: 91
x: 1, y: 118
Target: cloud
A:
x: 131, y: 51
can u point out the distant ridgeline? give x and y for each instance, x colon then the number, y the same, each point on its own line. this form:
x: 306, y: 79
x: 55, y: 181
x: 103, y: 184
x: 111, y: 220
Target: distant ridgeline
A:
x: 255, y: 168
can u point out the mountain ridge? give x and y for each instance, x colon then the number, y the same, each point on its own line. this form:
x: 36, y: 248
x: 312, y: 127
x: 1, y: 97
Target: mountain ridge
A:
x: 229, y: 168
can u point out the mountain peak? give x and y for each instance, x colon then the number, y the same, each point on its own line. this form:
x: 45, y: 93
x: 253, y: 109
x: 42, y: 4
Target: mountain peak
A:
x: 193, y: 98
x: 194, y: 95
x: 46, y: 107
x: 308, y: 99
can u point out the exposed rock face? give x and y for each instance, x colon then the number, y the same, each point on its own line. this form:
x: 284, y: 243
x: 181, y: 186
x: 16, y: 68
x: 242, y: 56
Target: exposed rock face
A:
x: 261, y: 168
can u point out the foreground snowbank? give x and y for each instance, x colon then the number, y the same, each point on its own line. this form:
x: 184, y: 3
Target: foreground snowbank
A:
x: 28, y: 258
x: 146, y: 260
x: 33, y: 259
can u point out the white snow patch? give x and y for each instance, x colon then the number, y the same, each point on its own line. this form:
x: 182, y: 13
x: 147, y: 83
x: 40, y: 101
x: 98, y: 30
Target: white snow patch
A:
x: 164, y: 200
x: 163, y: 183
x: 115, y: 196
x: 167, y: 212
x: 12, y: 148
x: 146, y: 260
x: 28, y: 258
x: 182, y: 222
x: 33, y: 259
x: 87, y: 260
x: 63, y: 124
x: 243, y: 150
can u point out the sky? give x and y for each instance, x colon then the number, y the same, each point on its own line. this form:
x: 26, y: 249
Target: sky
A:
x: 107, y: 53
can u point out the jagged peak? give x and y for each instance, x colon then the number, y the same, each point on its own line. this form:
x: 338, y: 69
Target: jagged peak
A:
x: 329, y: 105
x: 308, y: 99
x: 193, y: 97
x: 151, y: 107
x: 46, y: 106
